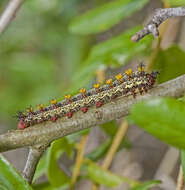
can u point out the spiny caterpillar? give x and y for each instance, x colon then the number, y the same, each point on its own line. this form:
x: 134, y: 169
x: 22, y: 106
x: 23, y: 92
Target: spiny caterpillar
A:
x: 125, y: 84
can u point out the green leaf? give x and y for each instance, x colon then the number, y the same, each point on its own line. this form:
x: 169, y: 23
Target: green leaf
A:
x: 41, y: 167
x: 163, y: 118
x: 110, y: 128
x: 146, y: 185
x: 116, y: 51
x: 130, y: 120
x: 48, y: 162
x: 55, y: 175
x: 72, y: 138
x: 47, y: 186
x: 76, y: 48
x: 183, y: 98
x: 99, y: 151
x: 83, y: 76
x: 175, y: 2
x: 104, y: 17
x: 120, y: 48
x: 10, y: 179
x: 104, y: 177
x: 170, y: 63
x: 183, y: 161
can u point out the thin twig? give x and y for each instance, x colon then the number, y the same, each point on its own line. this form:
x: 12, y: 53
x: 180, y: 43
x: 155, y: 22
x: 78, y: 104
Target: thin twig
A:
x: 79, y: 160
x: 115, y: 144
x: 160, y: 16
x: 48, y: 131
x: 156, y: 50
x: 9, y: 13
x: 33, y: 158
x: 166, y: 168
x: 114, y: 147
x: 180, y: 179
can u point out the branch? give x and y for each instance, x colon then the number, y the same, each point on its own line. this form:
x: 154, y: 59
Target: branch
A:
x: 47, y: 132
x: 180, y: 179
x: 9, y: 13
x: 159, y: 16
x: 33, y: 158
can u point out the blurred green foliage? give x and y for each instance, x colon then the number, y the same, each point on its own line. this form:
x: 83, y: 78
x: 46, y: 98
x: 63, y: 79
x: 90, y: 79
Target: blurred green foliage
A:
x: 166, y: 119
x: 52, y: 48
x: 10, y: 179
x: 39, y: 55
x: 104, y: 177
x: 170, y: 63
x: 175, y: 3
x: 56, y: 176
x: 146, y: 185
x: 41, y: 59
x: 105, y: 16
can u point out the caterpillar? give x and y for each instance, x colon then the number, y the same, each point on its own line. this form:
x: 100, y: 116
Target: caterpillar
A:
x: 128, y: 83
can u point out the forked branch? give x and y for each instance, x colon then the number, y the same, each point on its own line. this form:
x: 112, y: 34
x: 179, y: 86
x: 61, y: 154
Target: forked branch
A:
x: 34, y: 155
x: 159, y: 16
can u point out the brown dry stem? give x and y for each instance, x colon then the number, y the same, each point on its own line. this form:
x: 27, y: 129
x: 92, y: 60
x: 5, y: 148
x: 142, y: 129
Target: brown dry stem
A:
x: 114, y: 147
x: 79, y: 160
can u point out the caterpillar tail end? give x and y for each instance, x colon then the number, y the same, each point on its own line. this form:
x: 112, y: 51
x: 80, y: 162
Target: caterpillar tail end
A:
x: 22, y: 125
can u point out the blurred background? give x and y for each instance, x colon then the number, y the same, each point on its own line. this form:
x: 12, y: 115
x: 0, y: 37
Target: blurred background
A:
x: 56, y: 47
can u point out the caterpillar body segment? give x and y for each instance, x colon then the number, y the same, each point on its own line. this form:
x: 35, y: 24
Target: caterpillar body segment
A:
x: 129, y: 83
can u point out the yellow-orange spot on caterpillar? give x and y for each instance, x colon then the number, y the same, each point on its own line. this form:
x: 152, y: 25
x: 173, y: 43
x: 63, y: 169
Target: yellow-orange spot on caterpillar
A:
x: 53, y: 101
x: 40, y: 107
x: 30, y: 109
x: 82, y: 90
x: 97, y: 85
x: 68, y: 96
x: 119, y: 77
x: 109, y: 81
x: 128, y: 72
x: 140, y: 69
